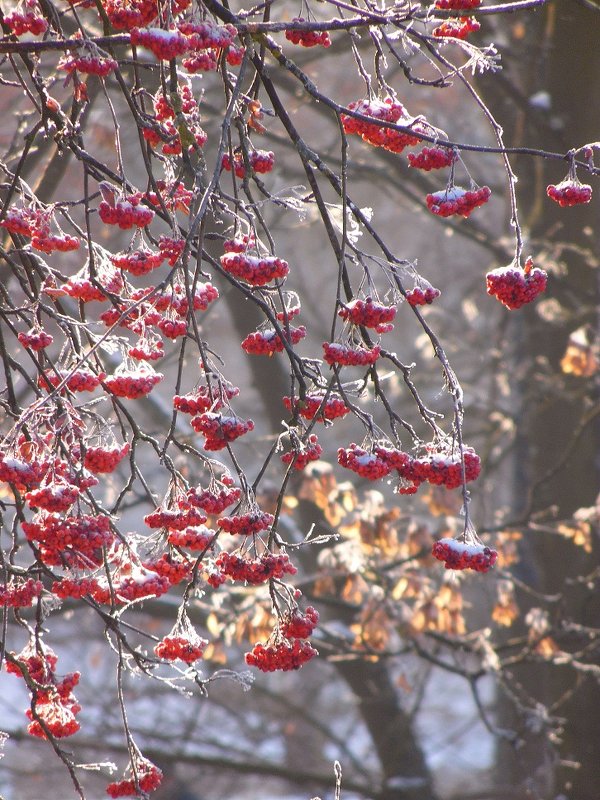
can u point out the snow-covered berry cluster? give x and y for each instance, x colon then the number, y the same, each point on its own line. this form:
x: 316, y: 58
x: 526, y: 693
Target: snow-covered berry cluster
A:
x: 370, y: 313
x: 254, y: 571
x: 570, y: 192
x: 307, y: 38
x: 456, y: 200
x: 248, y: 523
x: 268, y: 341
x: 422, y: 295
x: 348, y: 356
x: 457, y: 28
x: 301, y: 457
x: 514, y: 286
x: 462, y: 555
x: 388, y: 110
x: 173, y: 648
x: 281, y: 655
x: 220, y: 429
x: 432, y: 158
x: 126, y: 213
x: 133, y: 383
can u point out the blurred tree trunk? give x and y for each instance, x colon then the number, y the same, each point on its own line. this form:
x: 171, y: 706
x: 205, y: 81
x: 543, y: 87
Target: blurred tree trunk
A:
x: 554, y: 97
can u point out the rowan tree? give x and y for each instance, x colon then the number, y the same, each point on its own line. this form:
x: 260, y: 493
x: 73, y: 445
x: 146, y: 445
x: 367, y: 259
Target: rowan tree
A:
x: 279, y: 478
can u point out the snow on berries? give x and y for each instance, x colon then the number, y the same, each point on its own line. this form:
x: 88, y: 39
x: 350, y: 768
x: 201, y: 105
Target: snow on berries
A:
x: 149, y: 777
x: 388, y: 110
x: 303, y: 454
x: 457, y: 28
x: 457, y: 554
x: 220, y: 429
x: 254, y: 571
x: 432, y: 157
x: 132, y: 383
x: 247, y: 524
x: 126, y: 213
x: 455, y: 200
x: 457, y: 5
x: 570, y: 192
x: 307, y: 38
x: 368, y: 312
x: 350, y: 356
x: 515, y: 286
x: 164, y: 44
x: 268, y: 341
x: 283, y: 655
x: 422, y: 295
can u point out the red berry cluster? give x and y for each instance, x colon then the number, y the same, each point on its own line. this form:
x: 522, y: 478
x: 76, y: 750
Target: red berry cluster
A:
x: 138, y: 262
x: 147, y: 348
x: 268, y: 342
x: 175, y: 519
x: 35, y: 339
x: 194, y: 538
x: 388, y: 110
x: 101, y: 460
x: 367, y: 465
x: 21, y: 474
x: 28, y: 22
x: 172, y: 248
x: 126, y: 213
x: 460, y: 555
x: 174, y: 568
x: 36, y: 224
x: 200, y: 62
x: 214, y: 500
x: 254, y: 571
x: 513, y: 286
x: 307, y: 38
x: 164, y: 44
x: 247, y: 524
x: 422, y: 295
x: 234, y: 55
x: 165, y: 133
x: 345, y: 355
x: 300, y: 458
x: 132, y: 384
x: 53, y: 703
x: 220, y: 429
x: 206, y: 35
x: 126, y: 14
x: 141, y: 582
x: 314, y: 404
x: 77, y: 380
x: 282, y: 655
x: 149, y: 778
x: 88, y: 64
x: 457, y: 201
x: 457, y: 28
x: 56, y: 496
x: 172, y: 648
x: 75, y: 587
x: 369, y: 313
x: 457, y: 5
x: 21, y: 594
x: 255, y: 270
x: 204, y: 399
x: 299, y: 626
x: 76, y: 541
x: 261, y: 161
x: 570, y: 192
x: 432, y: 157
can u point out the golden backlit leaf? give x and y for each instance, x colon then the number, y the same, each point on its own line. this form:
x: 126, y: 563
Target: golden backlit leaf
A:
x: 354, y: 590
x: 579, y: 531
x: 215, y: 653
x: 213, y: 625
x: 373, y: 630
x: 324, y: 586
x: 441, y: 502
x: 505, y: 613
x: 580, y: 358
x: 547, y: 647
